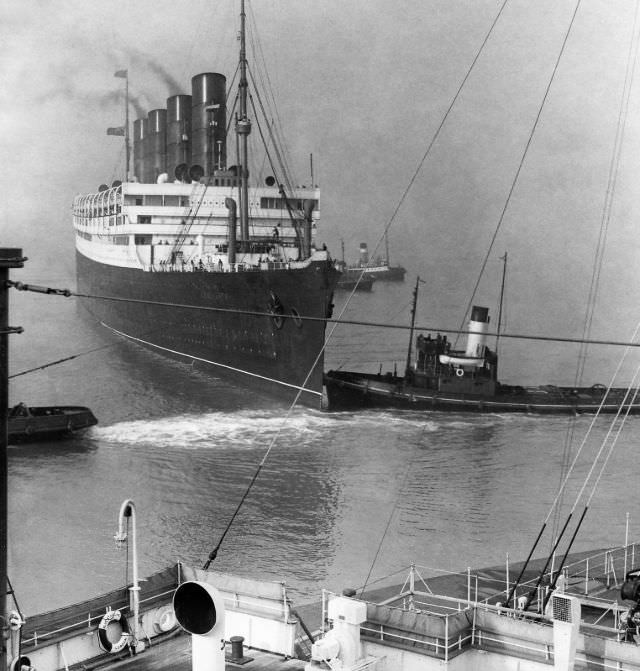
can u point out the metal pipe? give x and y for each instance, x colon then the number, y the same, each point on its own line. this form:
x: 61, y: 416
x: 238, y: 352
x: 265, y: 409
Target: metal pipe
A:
x: 127, y: 509
x: 9, y: 258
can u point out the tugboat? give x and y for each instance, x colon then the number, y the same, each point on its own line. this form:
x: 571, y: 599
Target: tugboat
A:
x: 441, y: 378
x: 378, y: 268
x: 352, y: 277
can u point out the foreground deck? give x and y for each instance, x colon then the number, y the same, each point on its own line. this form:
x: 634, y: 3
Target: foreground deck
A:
x: 175, y: 654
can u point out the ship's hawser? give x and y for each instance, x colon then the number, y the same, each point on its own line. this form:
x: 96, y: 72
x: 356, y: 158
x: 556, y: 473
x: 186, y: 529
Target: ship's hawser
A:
x: 186, y: 258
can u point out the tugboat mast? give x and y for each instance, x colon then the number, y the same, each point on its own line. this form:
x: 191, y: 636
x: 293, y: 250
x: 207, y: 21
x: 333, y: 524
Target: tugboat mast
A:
x: 413, y: 323
x: 243, y: 129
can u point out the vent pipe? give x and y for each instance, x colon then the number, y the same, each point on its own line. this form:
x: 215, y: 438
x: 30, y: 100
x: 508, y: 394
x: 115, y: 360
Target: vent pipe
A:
x: 565, y: 613
x: 199, y: 609
x: 231, y: 250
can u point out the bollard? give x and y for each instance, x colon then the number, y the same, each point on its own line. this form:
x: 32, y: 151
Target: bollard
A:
x: 236, y: 647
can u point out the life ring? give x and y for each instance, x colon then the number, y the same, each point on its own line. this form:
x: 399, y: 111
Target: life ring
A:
x: 103, y: 638
x: 459, y: 372
x: 165, y: 620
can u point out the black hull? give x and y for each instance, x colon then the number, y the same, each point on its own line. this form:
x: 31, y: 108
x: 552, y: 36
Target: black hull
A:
x: 349, y: 391
x: 363, y: 284
x: 391, y: 274
x: 50, y: 422
x: 269, y: 354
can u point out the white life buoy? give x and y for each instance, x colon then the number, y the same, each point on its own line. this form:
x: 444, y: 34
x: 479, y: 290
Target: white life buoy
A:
x: 459, y: 372
x: 123, y: 641
x: 164, y: 620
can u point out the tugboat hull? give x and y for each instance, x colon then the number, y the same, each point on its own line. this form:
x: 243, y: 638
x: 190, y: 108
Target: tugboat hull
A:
x: 347, y: 391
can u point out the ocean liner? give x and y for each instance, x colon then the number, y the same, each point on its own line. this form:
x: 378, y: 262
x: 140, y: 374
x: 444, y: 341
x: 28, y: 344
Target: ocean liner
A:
x: 185, y: 257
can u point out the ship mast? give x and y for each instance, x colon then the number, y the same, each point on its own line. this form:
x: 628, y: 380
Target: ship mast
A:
x: 243, y: 129
x: 504, y: 274
x: 413, y: 323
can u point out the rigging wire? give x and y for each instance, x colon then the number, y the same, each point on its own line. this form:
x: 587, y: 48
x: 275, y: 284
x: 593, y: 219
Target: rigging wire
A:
x: 632, y: 57
x: 259, y: 59
x: 435, y: 136
x: 559, y: 495
x: 214, y: 553
x: 597, y: 482
x: 522, y: 159
x: 391, y: 516
x: 21, y: 286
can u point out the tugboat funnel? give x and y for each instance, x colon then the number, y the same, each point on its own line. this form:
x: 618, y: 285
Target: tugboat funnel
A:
x: 199, y: 609
x: 478, y: 327
x: 364, y: 254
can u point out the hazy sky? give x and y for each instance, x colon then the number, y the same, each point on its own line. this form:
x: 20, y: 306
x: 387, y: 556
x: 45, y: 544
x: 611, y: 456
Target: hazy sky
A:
x: 362, y: 85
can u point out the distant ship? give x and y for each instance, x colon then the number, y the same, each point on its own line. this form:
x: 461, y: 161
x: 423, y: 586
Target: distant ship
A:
x: 178, y: 265
x: 378, y: 268
x: 353, y: 278
x: 440, y: 378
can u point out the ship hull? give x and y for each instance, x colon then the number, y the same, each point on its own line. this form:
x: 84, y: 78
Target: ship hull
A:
x: 387, y: 273
x: 348, y: 390
x: 275, y: 353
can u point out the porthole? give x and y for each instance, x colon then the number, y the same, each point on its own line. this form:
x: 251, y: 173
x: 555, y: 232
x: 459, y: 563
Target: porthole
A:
x: 297, y: 320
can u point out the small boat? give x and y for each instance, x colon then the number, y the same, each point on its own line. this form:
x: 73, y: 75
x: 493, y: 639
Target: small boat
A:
x: 353, y: 278
x: 29, y: 424
x: 441, y: 378
x: 379, y: 268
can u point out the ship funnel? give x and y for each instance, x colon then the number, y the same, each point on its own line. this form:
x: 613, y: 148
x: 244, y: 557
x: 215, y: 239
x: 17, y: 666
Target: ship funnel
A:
x: 156, y: 143
x: 199, y: 609
x: 208, y: 122
x: 364, y: 254
x: 140, y: 127
x: 178, y: 132
x: 478, y: 326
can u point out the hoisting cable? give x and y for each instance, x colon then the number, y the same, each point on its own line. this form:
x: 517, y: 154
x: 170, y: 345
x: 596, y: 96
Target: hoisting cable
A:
x: 614, y: 165
x: 214, y: 553
x: 391, y: 516
x: 522, y: 159
x: 597, y: 482
x: 437, y: 132
x: 263, y: 72
x: 558, y: 498
x: 21, y: 286
x: 71, y: 357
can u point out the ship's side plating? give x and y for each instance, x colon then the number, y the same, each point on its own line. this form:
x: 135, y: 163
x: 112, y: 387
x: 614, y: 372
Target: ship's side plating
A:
x: 273, y: 352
